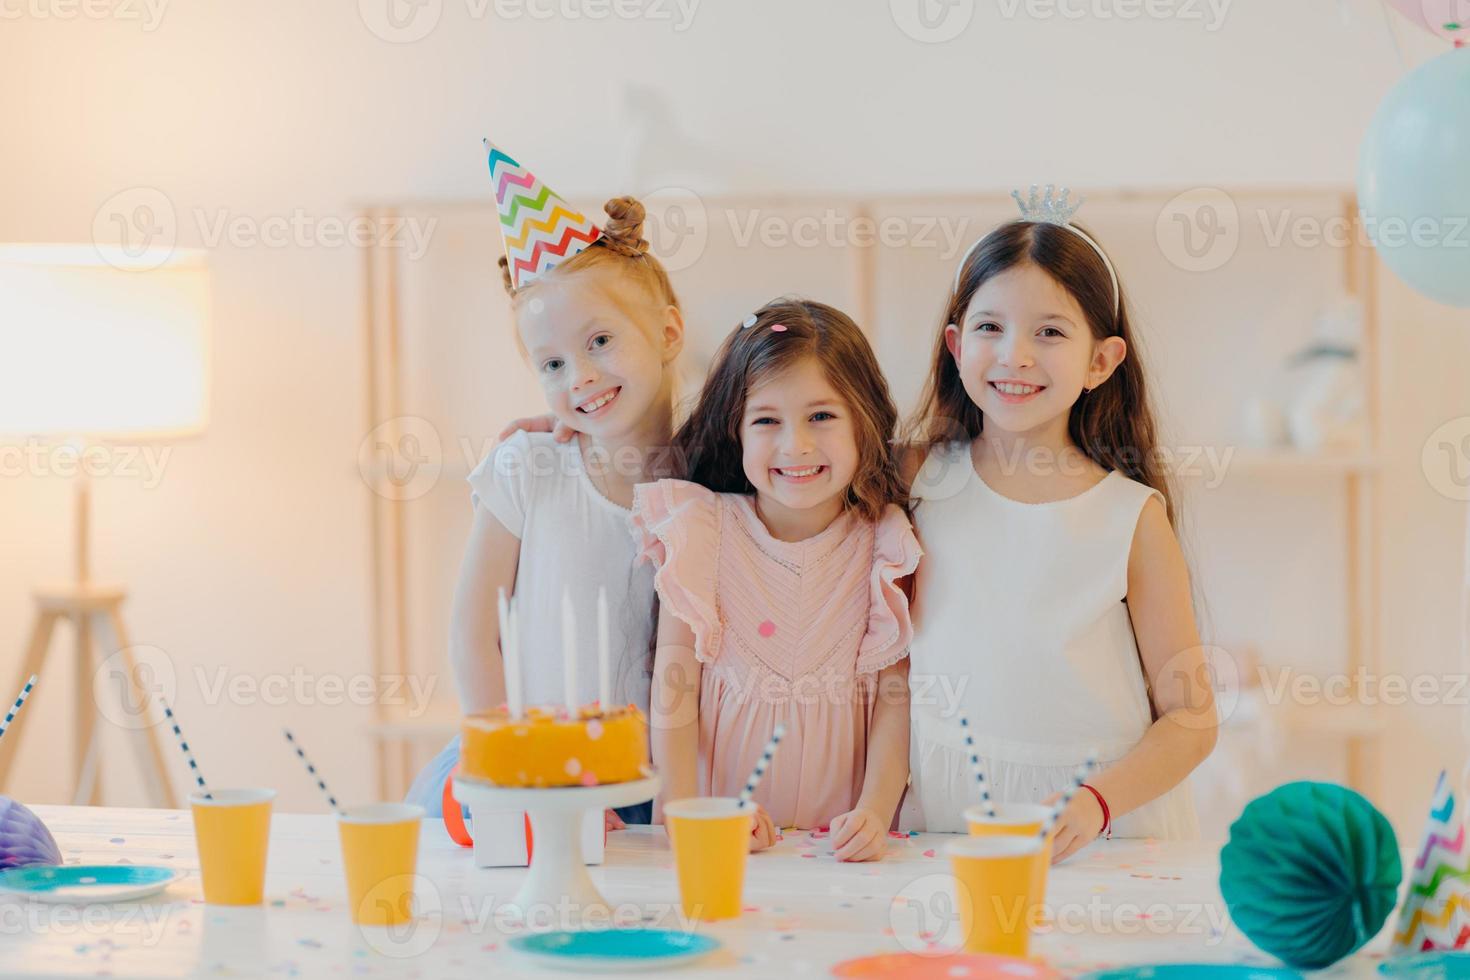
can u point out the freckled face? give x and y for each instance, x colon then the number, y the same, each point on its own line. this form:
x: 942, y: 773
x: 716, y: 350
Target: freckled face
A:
x: 593, y: 339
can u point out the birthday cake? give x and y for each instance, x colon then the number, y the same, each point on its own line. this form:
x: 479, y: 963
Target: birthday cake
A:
x: 547, y: 747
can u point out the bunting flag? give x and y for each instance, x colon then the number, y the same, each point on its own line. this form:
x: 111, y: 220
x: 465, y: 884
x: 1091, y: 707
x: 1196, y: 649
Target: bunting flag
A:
x: 540, y: 230
x: 1436, y: 911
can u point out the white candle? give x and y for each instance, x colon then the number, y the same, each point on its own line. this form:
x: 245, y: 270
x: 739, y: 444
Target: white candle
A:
x: 568, y: 653
x: 516, y: 688
x: 604, y: 668
x: 510, y: 654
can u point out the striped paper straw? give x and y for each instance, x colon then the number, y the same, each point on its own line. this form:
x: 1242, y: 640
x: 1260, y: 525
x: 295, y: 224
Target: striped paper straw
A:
x: 1078, y: 779
x: 320, y: 783
x: 20, y: 699
x: 760, y: 767
x: 980, y: 782
x: 184, y: 745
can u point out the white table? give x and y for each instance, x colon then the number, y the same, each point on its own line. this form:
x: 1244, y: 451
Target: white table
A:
x: 1117, y: 902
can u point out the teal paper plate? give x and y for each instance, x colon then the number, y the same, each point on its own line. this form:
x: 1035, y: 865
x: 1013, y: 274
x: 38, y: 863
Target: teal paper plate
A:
x: 601, y: 950
x: 1442, y: 965
x: 81, y: 884
x: 1196, y: 971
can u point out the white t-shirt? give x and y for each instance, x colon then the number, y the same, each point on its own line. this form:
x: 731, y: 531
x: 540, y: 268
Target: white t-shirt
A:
x: 574, y: 539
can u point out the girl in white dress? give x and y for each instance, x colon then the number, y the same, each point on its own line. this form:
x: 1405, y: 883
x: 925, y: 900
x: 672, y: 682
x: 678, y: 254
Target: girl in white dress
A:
x: 1052, y: 608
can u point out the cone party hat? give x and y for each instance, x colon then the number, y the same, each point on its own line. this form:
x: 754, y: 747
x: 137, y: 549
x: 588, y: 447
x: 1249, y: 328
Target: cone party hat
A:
x: 541, y: 230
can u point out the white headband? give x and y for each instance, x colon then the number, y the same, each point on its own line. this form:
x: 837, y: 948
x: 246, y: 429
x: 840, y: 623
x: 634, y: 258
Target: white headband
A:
x: 1050, y: 210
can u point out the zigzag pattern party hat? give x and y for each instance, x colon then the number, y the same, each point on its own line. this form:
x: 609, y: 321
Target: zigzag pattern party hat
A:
x: 540, y: 230
x: 1436, y: 911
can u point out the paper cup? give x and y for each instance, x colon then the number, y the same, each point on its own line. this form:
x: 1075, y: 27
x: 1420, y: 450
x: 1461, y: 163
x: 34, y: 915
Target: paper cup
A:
x: 1016, y: 819
x: 711, y: 838
x: 1010, y: 818
x: 380, y: 846
x: 232, y: 830
x: 993, y: 881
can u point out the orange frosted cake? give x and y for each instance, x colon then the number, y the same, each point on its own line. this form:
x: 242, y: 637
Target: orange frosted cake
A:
x: 547, y: 747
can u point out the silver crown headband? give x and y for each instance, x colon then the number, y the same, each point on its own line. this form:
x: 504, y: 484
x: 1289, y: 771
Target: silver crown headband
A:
x: 1050, y: 210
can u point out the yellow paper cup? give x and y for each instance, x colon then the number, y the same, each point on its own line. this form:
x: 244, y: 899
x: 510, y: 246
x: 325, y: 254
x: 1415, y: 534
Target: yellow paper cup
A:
x: 232, y: 830
x: 993, y: 878
x: 1016, y: 819
x: 380, y: 847
x: 711, y: 838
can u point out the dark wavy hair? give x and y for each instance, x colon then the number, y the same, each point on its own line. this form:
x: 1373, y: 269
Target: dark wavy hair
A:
x: 1112, y: 424
x: 707, y: 447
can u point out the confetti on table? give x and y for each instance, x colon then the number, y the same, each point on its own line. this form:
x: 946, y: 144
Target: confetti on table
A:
x: 929, y: 853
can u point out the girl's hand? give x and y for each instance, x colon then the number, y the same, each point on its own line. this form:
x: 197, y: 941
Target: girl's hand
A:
x: 1078, y: 826
x: 763, y: 834
x: 537, y: 423
x: 859, y: 835
x: 611, y: 821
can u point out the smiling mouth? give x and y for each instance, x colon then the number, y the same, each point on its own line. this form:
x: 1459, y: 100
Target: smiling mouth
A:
x: 602, y: 401
x: 1014, y: 392
x: 799, y: 474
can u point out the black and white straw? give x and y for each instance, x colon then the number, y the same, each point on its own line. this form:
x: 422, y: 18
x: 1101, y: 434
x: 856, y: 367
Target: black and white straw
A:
x: 760, y: 767
x: 1078, y: 779
x: 184, y: 745
x: 311, y: 769
x: 980, y: 782
x: 25, y: 692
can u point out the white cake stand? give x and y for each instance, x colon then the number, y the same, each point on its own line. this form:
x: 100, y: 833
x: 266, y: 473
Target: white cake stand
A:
x: 558, y: 872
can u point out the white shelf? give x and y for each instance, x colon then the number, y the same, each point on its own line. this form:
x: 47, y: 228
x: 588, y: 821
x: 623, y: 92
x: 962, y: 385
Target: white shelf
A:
x: 1277, y: 462
x: 438, y: 722
x: 1353, y: 720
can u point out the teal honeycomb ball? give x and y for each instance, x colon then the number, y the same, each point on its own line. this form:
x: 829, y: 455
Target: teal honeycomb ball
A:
x: 1310, y: 872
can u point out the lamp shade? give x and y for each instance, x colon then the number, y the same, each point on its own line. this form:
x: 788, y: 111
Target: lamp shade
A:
x: 102, y: 345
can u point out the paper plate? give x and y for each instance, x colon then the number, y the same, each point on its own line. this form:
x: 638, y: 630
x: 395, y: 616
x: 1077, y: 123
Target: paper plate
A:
x: 80, y: 884
x: 597, y: 950
x: 929, y: 966
x: 1441, y: 965
x: 1196, y: 971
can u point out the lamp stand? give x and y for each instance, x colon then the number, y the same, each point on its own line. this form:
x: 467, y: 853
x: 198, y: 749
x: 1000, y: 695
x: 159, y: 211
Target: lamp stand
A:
x: 94, y: 610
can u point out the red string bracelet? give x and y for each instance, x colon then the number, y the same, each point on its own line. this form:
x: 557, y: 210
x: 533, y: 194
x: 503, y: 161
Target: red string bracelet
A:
x: 1107, y: 827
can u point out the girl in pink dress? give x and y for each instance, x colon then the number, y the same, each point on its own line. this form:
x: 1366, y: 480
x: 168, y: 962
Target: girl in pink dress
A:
x: 777, y: 566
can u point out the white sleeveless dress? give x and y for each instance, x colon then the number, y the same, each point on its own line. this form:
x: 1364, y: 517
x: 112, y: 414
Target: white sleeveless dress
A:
x: 1020, y: 623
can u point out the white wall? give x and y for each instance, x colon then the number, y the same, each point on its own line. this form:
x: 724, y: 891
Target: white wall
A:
x: 252, y: 552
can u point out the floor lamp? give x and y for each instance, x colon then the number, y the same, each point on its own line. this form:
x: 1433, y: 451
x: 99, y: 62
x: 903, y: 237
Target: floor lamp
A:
x: 115, y: 352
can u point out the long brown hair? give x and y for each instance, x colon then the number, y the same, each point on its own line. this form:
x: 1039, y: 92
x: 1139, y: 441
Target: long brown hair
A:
x: 707, y: 447
x: 1113, y: 424
x: 622, y: 243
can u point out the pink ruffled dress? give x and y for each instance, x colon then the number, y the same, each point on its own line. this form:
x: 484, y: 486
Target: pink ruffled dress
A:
x: 791, y: 632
